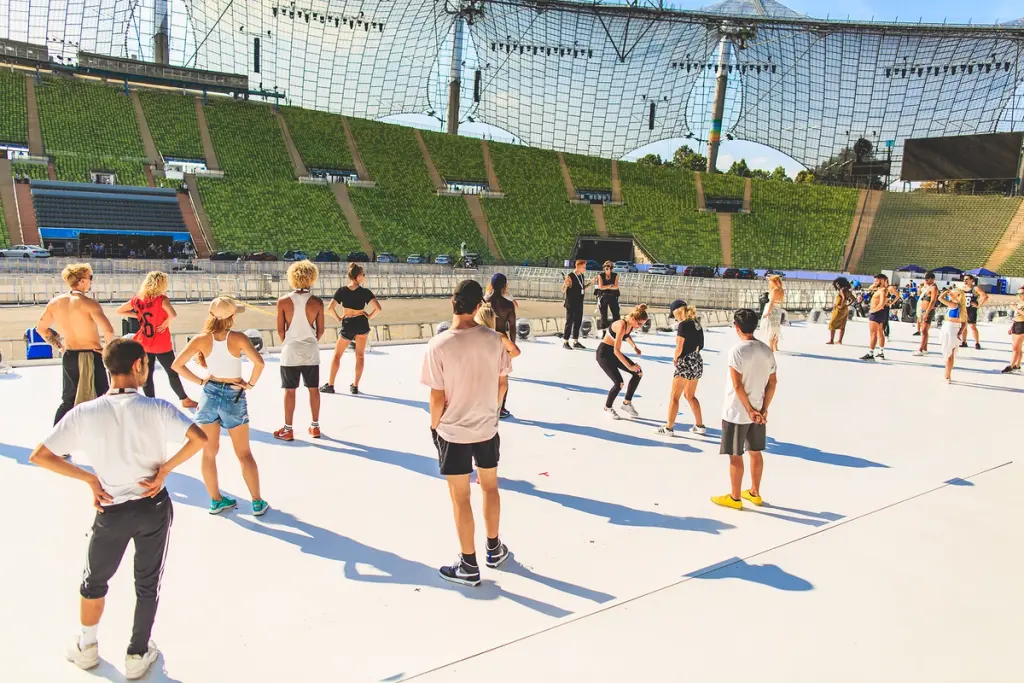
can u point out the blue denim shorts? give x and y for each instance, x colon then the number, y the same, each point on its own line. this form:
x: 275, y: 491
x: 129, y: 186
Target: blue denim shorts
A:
x: 223, y: 403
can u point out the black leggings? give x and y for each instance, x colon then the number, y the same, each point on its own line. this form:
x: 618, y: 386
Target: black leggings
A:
x: 611, y: 365
x: 612, y: 302
x: 165, y: 360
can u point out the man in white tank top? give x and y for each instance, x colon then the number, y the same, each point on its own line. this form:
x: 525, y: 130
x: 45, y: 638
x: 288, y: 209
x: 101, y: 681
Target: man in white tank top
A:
x: 300, y: 324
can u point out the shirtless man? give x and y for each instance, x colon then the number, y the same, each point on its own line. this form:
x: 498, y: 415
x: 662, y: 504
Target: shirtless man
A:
x: 81, y: 320
x: 877, y: 317
x: 976, y: 298
x: 926, y: 310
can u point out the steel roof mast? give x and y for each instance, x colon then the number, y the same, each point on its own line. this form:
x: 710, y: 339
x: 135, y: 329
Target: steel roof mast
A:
x: 732, y: 35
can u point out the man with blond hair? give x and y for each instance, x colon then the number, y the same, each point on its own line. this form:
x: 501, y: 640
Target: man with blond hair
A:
x: 80, y: 319
x: 300, y: 324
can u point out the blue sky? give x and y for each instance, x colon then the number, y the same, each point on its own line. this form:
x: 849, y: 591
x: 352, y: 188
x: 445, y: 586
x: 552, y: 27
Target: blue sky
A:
x: 759, y: 156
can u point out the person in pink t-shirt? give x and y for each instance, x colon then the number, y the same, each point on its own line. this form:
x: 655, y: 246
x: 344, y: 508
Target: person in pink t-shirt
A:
x: 466, y: 368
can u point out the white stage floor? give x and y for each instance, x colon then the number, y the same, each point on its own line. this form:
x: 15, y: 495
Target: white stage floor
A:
x: 891, y: 548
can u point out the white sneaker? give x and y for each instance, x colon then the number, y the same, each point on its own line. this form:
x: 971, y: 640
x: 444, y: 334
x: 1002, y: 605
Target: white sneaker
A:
x: 83, y: 659
x: 698, y: 429
x: 666, y: 431
x: 136, y: 666
x: 920, y: 353
x: 612, y: 415
x: 630, y: 410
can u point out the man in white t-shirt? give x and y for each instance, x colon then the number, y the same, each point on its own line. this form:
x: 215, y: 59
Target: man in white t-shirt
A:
x: 124, y: 435
x: 466, y: 368
x: 749, y: 389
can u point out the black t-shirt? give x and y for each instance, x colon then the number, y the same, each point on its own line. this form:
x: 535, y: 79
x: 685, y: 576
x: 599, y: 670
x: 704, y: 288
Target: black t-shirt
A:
x: 355, y: 299
x: 609, y: 281
x: 574, y: 294
x: 692, y: 334
x: 504, y: 315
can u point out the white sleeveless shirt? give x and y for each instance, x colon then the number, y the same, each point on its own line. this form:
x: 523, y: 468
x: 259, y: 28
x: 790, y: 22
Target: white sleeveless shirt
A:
x: 300, y: 347
x: 220, y: 362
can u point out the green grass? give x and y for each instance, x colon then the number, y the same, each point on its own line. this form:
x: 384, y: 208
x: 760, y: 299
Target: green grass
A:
x: 33, y: 171
x: 4, y: 241
x: 936, y: 230
x: 247, y: 140
x: 274, y: 216
x: 456, y: 157
x: 793, y: 226
x: 723, y: 186
x: 402, y: 214
x: 660, y: 208
x: 13, y: 113
x: 535, y: 220
x: 88, y: 121
x: 319, y: 137
x: 173, y: 123
x: 589, y: 173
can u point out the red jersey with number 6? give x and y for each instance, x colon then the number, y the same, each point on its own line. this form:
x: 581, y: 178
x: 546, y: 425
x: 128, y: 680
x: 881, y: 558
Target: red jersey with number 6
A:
x: 151, y: 315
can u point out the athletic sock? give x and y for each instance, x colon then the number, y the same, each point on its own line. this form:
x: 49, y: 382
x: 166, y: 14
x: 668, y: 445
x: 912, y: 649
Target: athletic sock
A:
x: 314, y: 424
x: 469, y: 559
x: 493, y: 543
x: 287, y: 428
x: 88, y: 636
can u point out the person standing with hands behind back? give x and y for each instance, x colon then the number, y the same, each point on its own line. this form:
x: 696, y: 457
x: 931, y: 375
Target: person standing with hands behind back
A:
x: 749, y: 389
x: 573, y: 287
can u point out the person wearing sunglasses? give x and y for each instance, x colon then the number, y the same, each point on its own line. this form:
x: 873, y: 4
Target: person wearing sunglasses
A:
x: 608, y: 290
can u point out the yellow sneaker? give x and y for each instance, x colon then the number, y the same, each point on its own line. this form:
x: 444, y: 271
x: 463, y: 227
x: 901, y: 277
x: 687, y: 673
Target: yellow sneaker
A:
x: 756, y: 500
x: 727, y: 501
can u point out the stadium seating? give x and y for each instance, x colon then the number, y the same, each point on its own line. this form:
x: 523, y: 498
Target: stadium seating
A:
x: 403, y: 214
x: 247, y: 140
x: 936, y: 230
x: 4, y: 241
x: 13, y: 117
x: 319, y: 137
x: 274, y: 216
x: 793, y: 226
x: 173, y: 123
x: 1014, y: 266
x: 87, y: 127
x: 33, y: 171
x: 456, y: 157
x: 589, y: 173
x: 723, y: 186
x: 661, y: 210
x: 535, y: 220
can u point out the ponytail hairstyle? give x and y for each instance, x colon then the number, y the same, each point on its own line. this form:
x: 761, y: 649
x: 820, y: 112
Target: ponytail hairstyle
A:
x: 354, y: 271
x: 689, y: 312
x: 485, y: 315
x: 639, y: 314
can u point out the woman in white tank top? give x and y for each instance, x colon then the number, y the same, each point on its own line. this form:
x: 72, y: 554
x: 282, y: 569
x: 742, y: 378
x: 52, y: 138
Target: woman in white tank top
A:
x: 223, y: 403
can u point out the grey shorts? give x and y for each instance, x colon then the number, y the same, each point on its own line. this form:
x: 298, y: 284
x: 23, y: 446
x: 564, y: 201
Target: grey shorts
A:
x: 740, y: 438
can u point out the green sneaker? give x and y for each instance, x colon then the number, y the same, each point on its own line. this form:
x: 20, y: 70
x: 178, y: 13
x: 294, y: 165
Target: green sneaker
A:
x: 260, y: 507
x: 219, y: 506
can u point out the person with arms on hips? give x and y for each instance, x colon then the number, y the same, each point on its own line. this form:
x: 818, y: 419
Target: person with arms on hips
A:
x: 223, y: 403
x: 466, y: 368
x: 611, y: 359
x: 771, y: 319
x: 81, y: 320
x: 574, y: 287
x: 955, y: 299
x: 689, y: 367
x: 878, y: 318
x: 840, y: 309
x: 926, y: 304
x: 155, y: 313
x: 124, y: 436
x: 504, y: 308
x: 749, y: 390
x: 300, y: 323
x: 355, y: 324
x: 975, y: 298
x: 1017, y: 333
x: 608, y: 290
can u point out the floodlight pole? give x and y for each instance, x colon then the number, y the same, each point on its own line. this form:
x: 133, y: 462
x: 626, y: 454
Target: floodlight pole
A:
x: 455, y: 75
x: 718, y: 112
x: 161, y: 50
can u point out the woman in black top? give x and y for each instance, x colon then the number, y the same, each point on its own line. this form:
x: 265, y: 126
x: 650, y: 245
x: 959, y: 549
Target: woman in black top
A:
x: 355, y: 323
x: 608, y: 289
x: 689, y: 367
x: 611, y: 359
x: 573, y: 287
x: 504, y: 319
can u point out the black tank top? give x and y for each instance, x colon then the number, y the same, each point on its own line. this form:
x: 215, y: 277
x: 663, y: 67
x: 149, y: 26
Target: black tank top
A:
x: 609, y: 336
x: 574, y: 293
x: 972, y: 298
x: 609, y: 281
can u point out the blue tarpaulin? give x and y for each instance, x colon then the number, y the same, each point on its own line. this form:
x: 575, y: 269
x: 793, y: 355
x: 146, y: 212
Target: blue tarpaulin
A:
x: 949, y: 270
x: 911, y: 268
x: 982, y: 272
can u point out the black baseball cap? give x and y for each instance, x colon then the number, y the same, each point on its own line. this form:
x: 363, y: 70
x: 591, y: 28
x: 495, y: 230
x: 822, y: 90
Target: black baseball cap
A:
x: 675, y: 305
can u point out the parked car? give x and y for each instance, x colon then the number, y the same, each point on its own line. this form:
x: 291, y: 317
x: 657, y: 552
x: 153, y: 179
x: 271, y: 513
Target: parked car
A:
x: 774, y: 272
x: 747, y: 274
x: 328, y: 257
x: 593, y: 265
x: 731, y: 274
x: 259, y: 256
x: 699, y: 271
x: 24, y: 251
x: 443, y: 260
x: 415, y: 259
x: 356, y: 257
x: 661, y: 269
x: 386, y: 257
x: 224, y: 256
x: 624, y: 267
x: 295, y: 256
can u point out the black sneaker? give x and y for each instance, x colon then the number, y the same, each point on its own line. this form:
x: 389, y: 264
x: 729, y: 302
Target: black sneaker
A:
x: 1008, y: 369
x: 497, y: 556
x: 868, y: 356
x: 503, y: 414
x: 460, y: 572
x: 916, y: 334
x: 977, y: 346
x: 353, y: 389
x: 565, y: 345
x: 327, y: 389
x: 963, y: 345
x: 881, y: 355
x: 577, y: 345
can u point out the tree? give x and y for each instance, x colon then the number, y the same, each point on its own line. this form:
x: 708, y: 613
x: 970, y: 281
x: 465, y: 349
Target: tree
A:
x: 650, y: 160
x: 686, y: 158
x: 760, y: 174
x: 740, y: 168
x: 779, y: 175
x: 806, y: 177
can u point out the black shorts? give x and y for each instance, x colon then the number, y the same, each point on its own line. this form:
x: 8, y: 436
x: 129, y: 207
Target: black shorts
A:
x: 972, y: 315
x: 737, y: 438
x: 354, y: 326
x: 458, y: 458
x: 310, y: 375
x: 931, y: 316
x: 1018, y: 328
x: 879, y: 316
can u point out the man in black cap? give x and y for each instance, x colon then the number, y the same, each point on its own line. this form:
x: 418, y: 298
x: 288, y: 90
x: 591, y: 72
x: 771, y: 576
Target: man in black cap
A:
x: 466, y: 368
